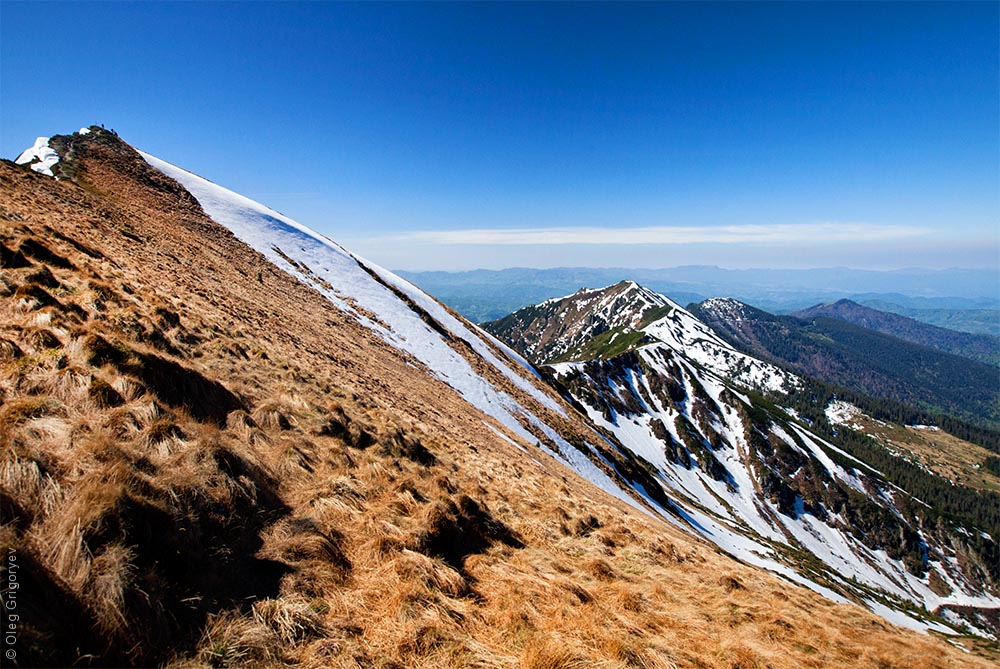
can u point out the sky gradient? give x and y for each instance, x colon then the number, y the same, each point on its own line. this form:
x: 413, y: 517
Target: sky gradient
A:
x: 461, y: 136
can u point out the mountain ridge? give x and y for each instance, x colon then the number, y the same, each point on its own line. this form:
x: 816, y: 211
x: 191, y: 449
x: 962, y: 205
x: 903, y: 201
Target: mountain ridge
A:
x: 982, y: 348
x: 337, y: 481
x: 652, y: 395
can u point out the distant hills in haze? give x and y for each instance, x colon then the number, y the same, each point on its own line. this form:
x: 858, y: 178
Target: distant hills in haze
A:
x: 984, y: 348
x: 958, y: 299
x: 822, y: 343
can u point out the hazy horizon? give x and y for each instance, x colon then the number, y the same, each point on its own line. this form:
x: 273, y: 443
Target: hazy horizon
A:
x: 711, y: 266
x: 977, y: 284
x: 817, y: 268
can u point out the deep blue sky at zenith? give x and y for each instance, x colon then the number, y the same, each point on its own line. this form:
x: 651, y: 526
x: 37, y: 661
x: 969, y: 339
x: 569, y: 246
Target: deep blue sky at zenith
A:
x: 433, y: 136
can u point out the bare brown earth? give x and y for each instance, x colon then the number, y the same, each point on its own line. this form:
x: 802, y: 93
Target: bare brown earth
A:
x: 204, y: 463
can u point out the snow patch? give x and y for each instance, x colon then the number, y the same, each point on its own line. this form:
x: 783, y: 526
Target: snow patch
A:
x: 40, y: 155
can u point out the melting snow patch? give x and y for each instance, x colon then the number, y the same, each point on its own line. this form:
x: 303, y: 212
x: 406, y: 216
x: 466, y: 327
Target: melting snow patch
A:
x: 41, y: 157
x: 505, y: 437
x: 843, y: 413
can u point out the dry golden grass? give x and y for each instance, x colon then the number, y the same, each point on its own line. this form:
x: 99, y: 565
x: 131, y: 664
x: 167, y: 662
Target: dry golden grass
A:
x: 945, y: 454
x: 322, y: 502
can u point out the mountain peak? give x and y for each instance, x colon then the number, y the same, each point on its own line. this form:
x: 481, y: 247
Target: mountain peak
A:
x: 557, y: 328
x: 723, y: 306
x: 604, y: 323
x: 55, y: 156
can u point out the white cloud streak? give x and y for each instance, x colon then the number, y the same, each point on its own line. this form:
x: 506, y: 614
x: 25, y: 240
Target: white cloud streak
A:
x: 784, y: 234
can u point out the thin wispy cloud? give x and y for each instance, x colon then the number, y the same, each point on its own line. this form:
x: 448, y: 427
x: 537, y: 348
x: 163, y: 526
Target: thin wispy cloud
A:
x: 785, y: 234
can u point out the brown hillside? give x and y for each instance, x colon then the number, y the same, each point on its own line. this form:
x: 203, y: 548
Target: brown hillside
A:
x: 204, y: 463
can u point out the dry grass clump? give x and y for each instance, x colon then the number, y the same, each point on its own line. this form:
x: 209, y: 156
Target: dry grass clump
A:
x: 245, y: 428
x: 103, y: 394
x: 231, y: 640
x: 290, y: 619
x: 271, y: 415
x: 549, y: 653
x: 433, y: 574
x: 9, y: 350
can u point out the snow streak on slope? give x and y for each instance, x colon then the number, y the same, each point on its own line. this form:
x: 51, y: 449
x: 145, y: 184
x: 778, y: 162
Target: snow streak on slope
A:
x: 728, y: 468
x: 371, y: 294
x: 683, y: 332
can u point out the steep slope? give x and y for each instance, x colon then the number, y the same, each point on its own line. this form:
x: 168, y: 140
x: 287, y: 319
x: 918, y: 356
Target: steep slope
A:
x: 983, y: 348
x: 208, y: 461
x: 748, y: 475
x: 928, y: 446
x: 869, y: 362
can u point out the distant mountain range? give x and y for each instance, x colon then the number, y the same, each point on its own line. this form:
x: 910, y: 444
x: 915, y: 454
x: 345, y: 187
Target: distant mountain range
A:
x: 966, y: 300
x: 984, y: 348
x: 973, y: 321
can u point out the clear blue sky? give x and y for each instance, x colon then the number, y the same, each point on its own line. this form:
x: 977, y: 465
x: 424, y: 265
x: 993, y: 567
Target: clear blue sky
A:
x: 433, y: 136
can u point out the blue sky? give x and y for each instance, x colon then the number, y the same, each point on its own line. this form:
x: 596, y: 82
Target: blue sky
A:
x: 455, y: 136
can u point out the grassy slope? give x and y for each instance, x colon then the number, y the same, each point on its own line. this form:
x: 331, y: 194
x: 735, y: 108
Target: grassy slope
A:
x: 347, y: 510
x: 605, y: 345
x: 953, y: 458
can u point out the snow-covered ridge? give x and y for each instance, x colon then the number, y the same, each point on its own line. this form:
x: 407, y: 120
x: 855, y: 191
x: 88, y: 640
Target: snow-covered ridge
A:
x: 577, y: 318
x: 347, y: 280
x: 560, y: 328
x: 683, y: 332
x: 726, y: 307
x: 766, y: 490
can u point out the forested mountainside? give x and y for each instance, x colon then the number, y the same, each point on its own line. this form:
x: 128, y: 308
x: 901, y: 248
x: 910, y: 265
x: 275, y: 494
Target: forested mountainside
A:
x: 862, y: 360
x: 226, y: 441
x: 981, y: 347
x: 969, y: 316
